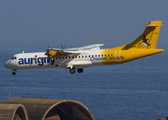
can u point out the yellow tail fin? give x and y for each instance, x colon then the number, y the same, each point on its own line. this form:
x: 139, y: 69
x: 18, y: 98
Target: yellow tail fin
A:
x: 148, y: 39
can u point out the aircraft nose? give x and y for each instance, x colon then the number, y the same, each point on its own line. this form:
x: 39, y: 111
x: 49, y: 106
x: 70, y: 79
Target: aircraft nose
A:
x: 7, y: 64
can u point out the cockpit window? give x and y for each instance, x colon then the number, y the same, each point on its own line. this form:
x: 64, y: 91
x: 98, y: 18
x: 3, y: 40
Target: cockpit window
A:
x: 14, y: 58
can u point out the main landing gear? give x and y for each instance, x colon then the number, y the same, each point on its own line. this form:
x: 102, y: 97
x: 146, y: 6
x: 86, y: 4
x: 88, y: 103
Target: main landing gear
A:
x: 72, y: 71
x: 80, y: 70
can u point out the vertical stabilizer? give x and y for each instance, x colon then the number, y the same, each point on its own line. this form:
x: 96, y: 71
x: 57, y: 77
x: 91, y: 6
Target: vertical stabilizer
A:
x: 148, y: 39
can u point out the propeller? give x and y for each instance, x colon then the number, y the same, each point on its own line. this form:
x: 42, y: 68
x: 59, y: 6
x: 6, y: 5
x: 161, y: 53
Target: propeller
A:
x: 47, y: 53
x: 63, y: 47
x: 48, y: 50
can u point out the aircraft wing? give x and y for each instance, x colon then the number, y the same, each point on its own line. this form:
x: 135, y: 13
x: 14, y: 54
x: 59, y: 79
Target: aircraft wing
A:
x: 77, y: 50
x: 89, y: 47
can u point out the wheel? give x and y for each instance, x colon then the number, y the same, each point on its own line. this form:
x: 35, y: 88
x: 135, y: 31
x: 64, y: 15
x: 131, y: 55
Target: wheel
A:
x: 13, y: 73
x: 72, y: 71
x: 80, y: 70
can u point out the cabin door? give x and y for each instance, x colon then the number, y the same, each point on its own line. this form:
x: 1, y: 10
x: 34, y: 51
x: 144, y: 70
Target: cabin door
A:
x: 118, y: 55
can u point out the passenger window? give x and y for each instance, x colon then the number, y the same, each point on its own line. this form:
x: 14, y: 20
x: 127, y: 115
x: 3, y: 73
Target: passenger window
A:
x: 59, y: 57
x: 79, y: 56
x: 99, y: 55
x: 82, y: 56
x: 89, y: 55
x: 86, y: 56
x: 95, y: 55
x: 62, y: 57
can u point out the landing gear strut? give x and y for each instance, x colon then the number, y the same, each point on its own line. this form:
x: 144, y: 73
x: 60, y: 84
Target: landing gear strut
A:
x: 80, y: 70
x: 72, y: 71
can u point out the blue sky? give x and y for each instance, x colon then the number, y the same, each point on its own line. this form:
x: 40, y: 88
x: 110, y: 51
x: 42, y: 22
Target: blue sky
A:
x: 32, y: 25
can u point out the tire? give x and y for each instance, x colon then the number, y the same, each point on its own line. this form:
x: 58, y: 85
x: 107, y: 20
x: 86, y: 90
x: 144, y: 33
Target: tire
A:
x: 13, y: 73
x: 80, y: 70
x: 72, y: 71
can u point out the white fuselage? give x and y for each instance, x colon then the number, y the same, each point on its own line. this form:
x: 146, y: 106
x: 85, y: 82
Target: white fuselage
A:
x: 40, y: 60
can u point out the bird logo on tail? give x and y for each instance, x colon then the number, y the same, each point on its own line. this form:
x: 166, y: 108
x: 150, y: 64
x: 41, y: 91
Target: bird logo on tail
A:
x: 144, y: 42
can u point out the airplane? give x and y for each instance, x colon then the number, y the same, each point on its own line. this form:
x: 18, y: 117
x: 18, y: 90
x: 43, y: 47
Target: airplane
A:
x: 91, y: 55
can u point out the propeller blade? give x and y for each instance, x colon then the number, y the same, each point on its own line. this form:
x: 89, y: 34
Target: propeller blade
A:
x: 62, y: 46
x: 47, y: 53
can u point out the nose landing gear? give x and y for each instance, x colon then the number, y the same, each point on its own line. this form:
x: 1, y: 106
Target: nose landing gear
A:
x: 13, y: 73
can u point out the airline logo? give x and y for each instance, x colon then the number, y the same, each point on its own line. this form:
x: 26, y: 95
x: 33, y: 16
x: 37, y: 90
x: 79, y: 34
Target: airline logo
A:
x: 144, y: 42
x: 40, y: 60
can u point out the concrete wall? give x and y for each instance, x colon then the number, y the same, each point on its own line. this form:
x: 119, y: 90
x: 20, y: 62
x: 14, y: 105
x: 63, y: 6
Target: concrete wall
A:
x: 13, y: 112
x: 51, y: 109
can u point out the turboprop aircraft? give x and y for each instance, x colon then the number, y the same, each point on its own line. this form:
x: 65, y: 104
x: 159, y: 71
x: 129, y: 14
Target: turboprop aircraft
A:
x: 92, y: 55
